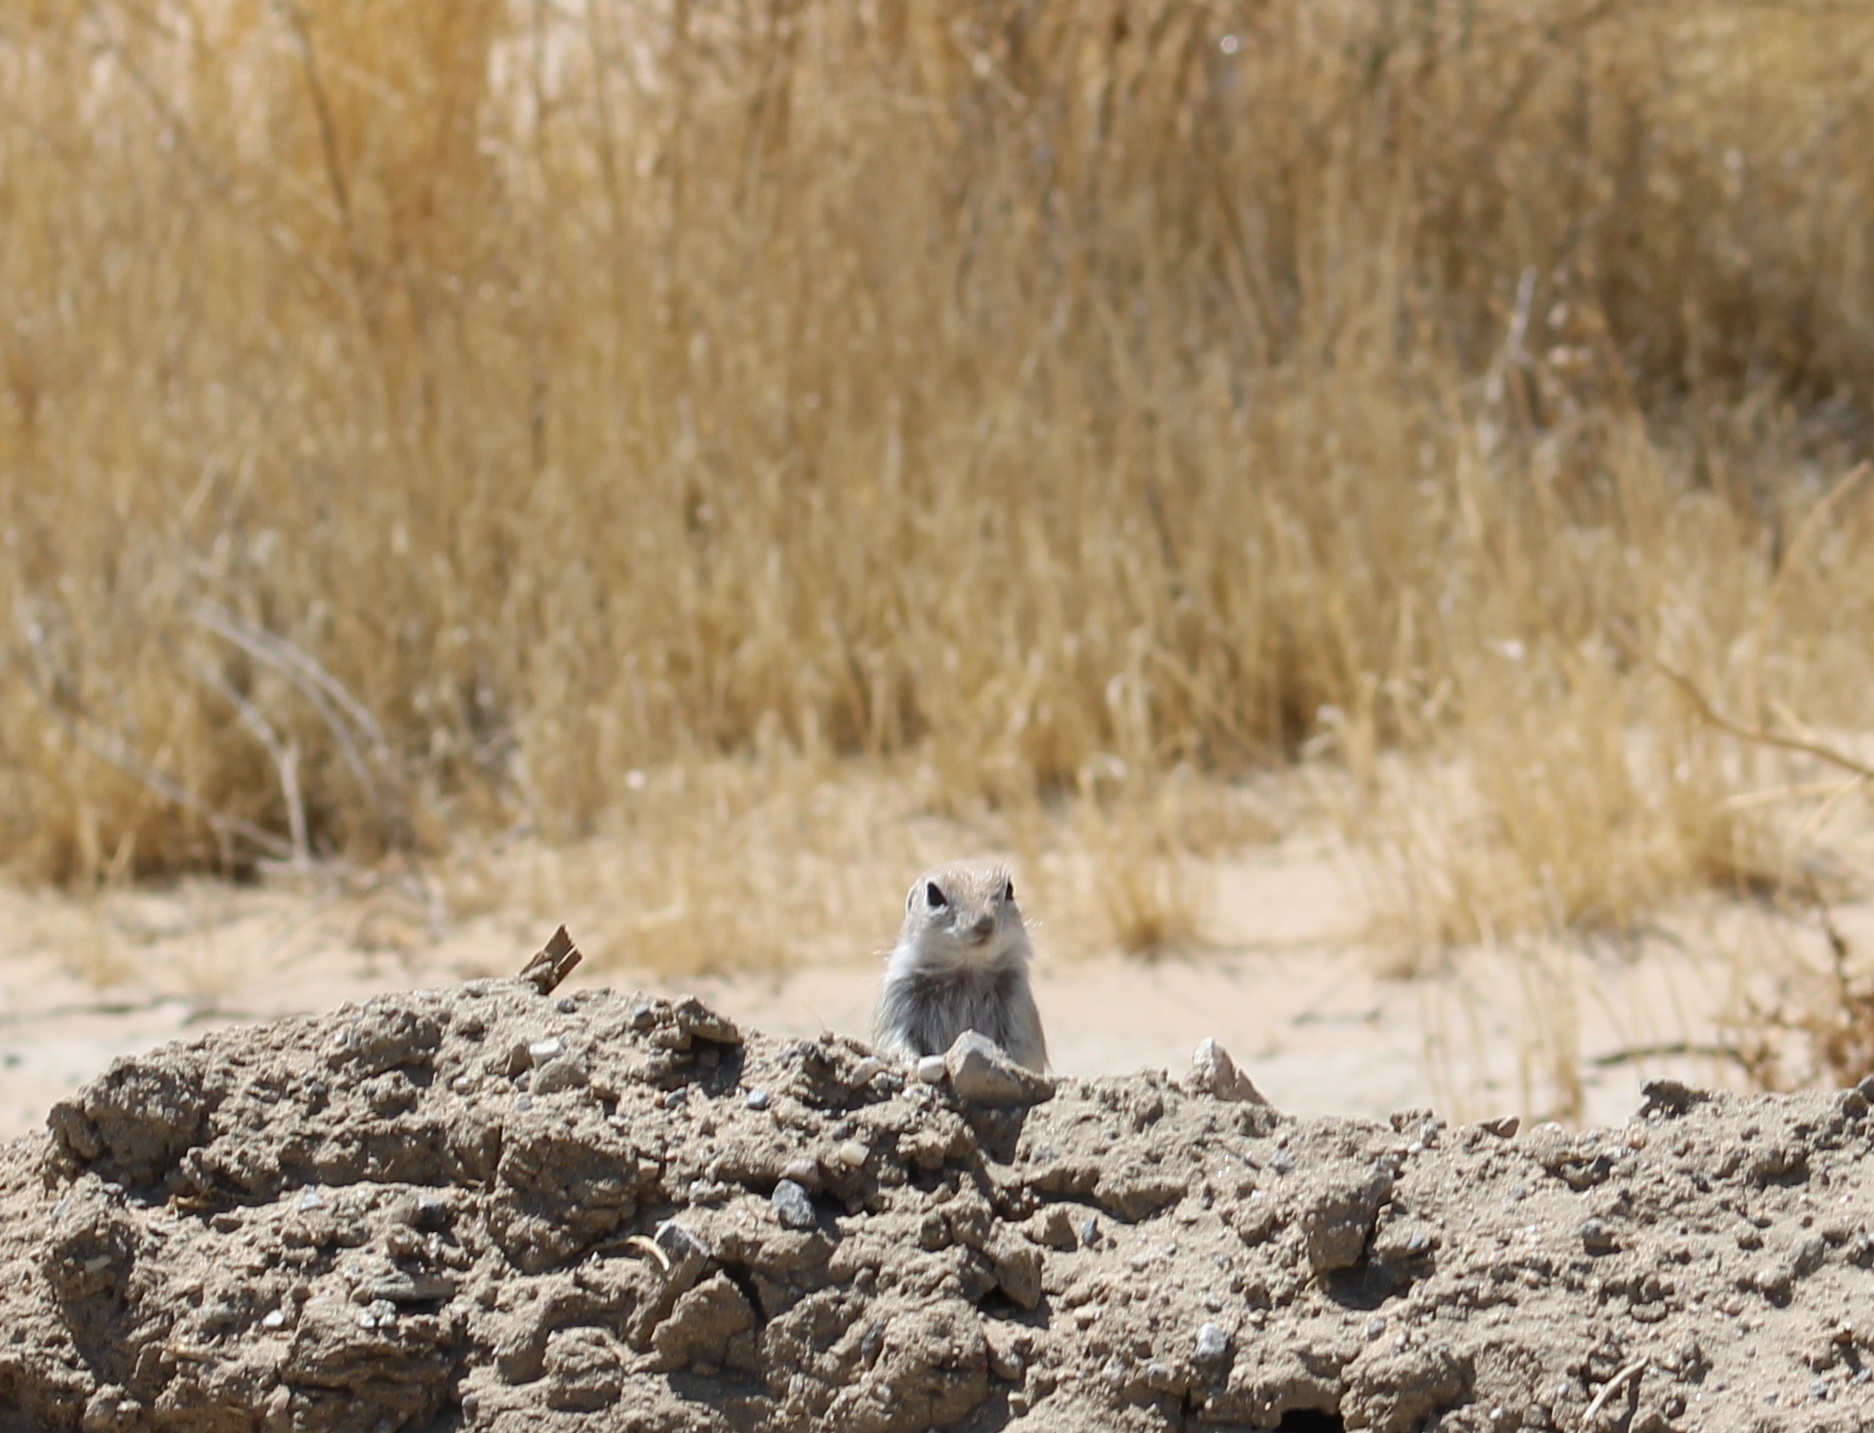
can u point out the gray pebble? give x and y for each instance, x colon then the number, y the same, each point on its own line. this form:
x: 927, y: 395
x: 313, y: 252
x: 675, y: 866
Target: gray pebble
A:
x: 757, y: 1100
x: 678, y: 1242
x: 793, y: 1206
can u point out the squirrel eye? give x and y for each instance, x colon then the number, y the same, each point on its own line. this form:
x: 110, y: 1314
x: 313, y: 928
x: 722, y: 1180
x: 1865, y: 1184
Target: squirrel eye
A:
x: 1008, y: 891
x: 934, y: 895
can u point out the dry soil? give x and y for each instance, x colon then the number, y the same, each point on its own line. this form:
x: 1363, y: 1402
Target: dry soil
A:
x: 481, y: 1207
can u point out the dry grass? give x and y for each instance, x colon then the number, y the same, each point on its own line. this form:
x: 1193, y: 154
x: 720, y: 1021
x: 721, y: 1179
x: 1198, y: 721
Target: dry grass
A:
x: 418, y: 419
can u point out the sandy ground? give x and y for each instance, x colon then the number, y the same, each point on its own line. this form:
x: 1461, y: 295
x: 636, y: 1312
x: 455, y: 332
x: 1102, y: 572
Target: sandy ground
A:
x: 1289, y: 987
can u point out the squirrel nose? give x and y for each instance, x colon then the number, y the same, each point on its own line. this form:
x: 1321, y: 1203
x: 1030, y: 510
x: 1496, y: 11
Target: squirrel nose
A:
x: 984, y: 924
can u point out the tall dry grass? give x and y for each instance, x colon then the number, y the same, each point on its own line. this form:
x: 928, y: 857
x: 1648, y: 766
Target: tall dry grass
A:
x: 416, y: 418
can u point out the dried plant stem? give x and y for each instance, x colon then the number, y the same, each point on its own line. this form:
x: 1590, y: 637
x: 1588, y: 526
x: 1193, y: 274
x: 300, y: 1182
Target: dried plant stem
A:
x: 1756, y: 735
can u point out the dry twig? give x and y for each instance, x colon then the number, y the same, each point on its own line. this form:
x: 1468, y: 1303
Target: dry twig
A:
x: 1633, y: 1369
x: 1761, y: 735
x: 553, y: 963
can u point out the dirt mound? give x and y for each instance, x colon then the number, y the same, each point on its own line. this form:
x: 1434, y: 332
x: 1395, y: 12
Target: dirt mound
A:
x: 484, y: 1207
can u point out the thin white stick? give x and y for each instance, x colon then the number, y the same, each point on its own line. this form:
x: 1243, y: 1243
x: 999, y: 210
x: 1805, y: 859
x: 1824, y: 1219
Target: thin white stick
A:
x: 1607, y: 1390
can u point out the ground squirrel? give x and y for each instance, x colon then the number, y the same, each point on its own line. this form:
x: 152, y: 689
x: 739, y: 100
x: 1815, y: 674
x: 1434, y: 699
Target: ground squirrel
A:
x: 961, y: 963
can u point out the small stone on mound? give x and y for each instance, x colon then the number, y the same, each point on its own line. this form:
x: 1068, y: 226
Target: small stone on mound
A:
x: 983, y: 1073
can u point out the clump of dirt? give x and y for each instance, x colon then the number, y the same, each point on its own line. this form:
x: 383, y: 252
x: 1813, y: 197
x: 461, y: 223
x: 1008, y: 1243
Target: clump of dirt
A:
x: 488, y: 1208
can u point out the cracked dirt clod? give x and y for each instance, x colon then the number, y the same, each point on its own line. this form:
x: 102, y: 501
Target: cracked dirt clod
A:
x: 361, y: 1221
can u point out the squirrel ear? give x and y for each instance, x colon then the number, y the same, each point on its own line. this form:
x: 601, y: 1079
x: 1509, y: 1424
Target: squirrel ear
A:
x: 934, y: 894
x: 1008, y: 891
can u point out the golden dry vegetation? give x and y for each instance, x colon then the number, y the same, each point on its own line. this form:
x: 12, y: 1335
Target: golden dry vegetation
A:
x: 689, y: 420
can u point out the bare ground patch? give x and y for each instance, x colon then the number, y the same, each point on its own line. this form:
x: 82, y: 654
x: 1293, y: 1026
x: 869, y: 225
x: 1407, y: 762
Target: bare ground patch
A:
x: 485, y: 1207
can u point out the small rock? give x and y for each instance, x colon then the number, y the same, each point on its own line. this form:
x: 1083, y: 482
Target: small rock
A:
x: 567, y: 1005
x: 804, y: 1172
x: 1053, y: 1226
x: 1018, y: 1271
x: 1090, y: 1232
x: 563, y: 1073
x: 273, y: 1320
x: 853, y: 1153
x: 1213, y: 1072
x: 676, y: 1097
x: 1161, y: 1377
x: 1597, y: 1238
x: 930, y: 1069
x: 583, y: 1371
x: 793, y: 1206
x: 1213, y: 1343
x: 309, y: 1199
x: 983, y: 1073
x: 1006, y: 1361
x: 1337, y: 1224
x: 700, y: 1022
x: 866, y: 1070
x: 403, y: 1288
x: 757, y: 1100
x: 426, y: 1212
x: 540, y: 1051
x: 643, y: 1015
x: 679, y: 1243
